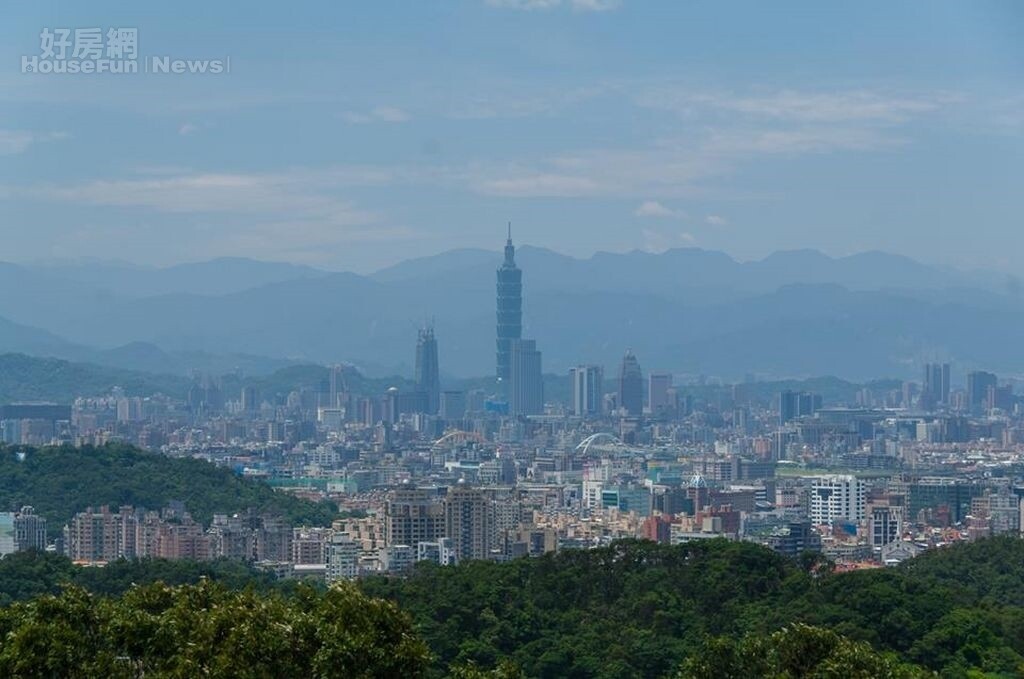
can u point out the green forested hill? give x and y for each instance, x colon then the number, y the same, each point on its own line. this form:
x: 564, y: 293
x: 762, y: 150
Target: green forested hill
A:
x: 60, y: 481
x: 637, y: 609
x: 28, y: 378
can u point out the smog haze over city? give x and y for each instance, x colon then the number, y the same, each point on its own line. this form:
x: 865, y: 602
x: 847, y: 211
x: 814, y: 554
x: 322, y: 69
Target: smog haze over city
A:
x: 508, y: 327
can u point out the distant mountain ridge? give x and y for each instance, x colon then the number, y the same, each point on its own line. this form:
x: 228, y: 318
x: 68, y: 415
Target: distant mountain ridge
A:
x: 792, y: 314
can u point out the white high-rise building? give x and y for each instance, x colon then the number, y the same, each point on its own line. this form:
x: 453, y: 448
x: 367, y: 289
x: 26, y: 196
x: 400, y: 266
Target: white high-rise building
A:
x: 835, y: 497
x: 587, y: 394
x: 342, y: 558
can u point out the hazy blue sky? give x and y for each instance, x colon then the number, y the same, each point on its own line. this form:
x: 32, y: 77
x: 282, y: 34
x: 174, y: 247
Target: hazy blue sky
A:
x: 353, y: 134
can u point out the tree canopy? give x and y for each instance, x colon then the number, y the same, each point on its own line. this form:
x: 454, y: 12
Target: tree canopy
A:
x: 207, y: 629
x: 62, y: 480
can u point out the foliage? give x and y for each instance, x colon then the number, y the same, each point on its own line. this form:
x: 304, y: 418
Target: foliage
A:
x: 24, y: 575
x: 208, y: 630
x: 60, y: 481
x: 637, y: 609
x: 797, y: 652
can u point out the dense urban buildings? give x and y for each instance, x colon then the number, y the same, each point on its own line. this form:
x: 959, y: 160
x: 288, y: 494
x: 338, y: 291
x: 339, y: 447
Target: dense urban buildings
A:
x: 425, y: 469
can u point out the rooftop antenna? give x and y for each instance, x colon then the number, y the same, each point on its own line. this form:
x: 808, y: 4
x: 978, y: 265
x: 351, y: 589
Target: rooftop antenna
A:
x: 510, y: 231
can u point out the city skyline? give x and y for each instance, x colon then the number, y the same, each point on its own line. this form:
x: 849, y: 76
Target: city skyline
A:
x: 742, y: 394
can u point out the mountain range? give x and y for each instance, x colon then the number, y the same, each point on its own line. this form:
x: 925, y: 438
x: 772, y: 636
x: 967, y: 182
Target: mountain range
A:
x: 686, y: 311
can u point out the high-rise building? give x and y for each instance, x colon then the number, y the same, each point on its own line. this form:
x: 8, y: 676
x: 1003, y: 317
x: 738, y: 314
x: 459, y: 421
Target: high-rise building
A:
x: 658, y: 386
x: 587, y: 394
x: 836, y: 497
x: 428, y: 377
x: 510, y: 313
x: 452, y: 405
x: 794, y: 404
x: 631, y: 385
x: 336, y: 385
x: 342, y: 558
x: 465, y: 515
x: 935, y: 390
x: 526, y: 379
x: 411, y: 515
x: 978, y: 383
x: 250, y: 400
x: 886, y: 525
x: 29, y: 530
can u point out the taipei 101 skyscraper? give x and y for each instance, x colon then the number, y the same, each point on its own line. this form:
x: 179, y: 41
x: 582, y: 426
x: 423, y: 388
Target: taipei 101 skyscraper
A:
x: 510, y: 313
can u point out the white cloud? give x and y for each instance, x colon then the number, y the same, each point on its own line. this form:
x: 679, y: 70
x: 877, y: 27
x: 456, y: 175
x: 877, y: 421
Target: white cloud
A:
x: 18, y: 141
x: 594, y: 5
x: 295, y: 214
x: 186, y: 129
x: 659, y: 241
x: 801, y: 106
x: 652, y: 208
x: 379, y: 114
x: 716, y: 220
x: 533, y: 185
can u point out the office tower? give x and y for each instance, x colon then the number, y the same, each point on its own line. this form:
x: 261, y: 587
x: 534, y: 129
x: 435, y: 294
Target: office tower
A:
x: 336, y: 385
x: 510, y: 313
x: 631, y: 385
x: 250, y: 400
x: 428, y: 378
x: 978, y: 383
x: 29, y: 530
x: 465, y: 517
x: 999, y: 398
x: 794, y: 404
x: 886, y: 525
x: 526, y: 380
x: 837, y: 497
x: 935, y: 390
x: 452, y: 405
x: 946, y: 499
x: 411, y: 515
x: 658, y: 385
x: 587, y: 394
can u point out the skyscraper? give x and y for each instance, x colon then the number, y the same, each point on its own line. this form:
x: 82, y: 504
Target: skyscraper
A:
x: 936, y: 384
x: 428, y: 379
x: 978, y: 383
x: 526, y: 383
x: 510, y: 314
x: 587, y: 393
x: 631, y: 385
x: 794, y: 404
x: 658, y: 385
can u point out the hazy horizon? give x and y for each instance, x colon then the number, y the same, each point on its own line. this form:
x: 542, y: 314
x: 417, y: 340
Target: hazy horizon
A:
x: 496, y: 251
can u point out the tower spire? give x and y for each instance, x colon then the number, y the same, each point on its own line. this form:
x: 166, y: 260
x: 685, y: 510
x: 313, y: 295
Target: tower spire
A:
x: 510, y: 251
